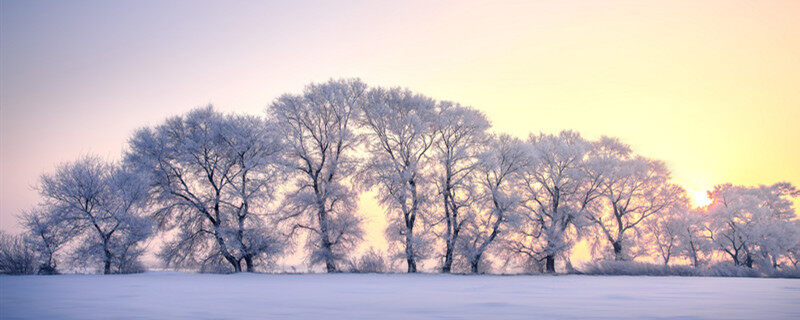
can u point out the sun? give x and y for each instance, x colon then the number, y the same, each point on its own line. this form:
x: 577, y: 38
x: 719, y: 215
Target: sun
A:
x: 699, y: 198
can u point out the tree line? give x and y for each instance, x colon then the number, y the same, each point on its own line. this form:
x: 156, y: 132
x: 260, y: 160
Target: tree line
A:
x: 233, y: 193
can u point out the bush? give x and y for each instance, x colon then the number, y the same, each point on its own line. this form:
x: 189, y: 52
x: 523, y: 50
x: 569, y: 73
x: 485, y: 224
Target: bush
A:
x: 785, y: 273
x: 370, y: 262
x: 46, y: 269
x: 132, y: 266
x: 632, y: 268
x: 729, y: 270
x: 17, y: 256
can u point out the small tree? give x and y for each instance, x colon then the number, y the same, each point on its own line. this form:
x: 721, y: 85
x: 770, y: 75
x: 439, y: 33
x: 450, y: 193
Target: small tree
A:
x: 48, y: 233
x: 101, y: 204
x: 665, y: 234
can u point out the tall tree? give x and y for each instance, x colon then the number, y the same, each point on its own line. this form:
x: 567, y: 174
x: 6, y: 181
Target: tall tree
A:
x: 401, y: 135
x: 318, y: 129
x: 460, y: 135
x: 212, y: 177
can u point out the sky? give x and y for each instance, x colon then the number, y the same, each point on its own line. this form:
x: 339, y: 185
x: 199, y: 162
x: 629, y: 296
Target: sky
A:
x: 710, y: 87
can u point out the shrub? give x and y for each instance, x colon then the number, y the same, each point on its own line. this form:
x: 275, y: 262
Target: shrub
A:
x: 16, y: 255
x: 785, y: 273
x: 729, y: 270
x: 370, y: 262
x: 632, y: 268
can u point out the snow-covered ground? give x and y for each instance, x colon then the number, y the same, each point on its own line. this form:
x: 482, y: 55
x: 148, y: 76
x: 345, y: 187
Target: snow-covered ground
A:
x: 170, y: 295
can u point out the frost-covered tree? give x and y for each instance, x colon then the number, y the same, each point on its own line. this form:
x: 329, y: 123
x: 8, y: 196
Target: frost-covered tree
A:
x: 793, y: 252
x: 664, y: 237
x: 682, y: 232
x: 318, y: 128
x: 460, y: 135
x: 102, y: 205
x: 754, y: 225
x: 497, y: 174
x: 212, y: 178
x: 401, y: 135
x: 255, y: 148
x: 664, y: 232
x: 693, y: 239
x: 558, y: 193
x: 48, y: 233
x: 633, y: 189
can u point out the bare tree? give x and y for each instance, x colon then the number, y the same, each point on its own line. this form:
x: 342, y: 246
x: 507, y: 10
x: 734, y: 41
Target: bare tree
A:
x: 460, y: 135
x: 498, y: 170
x: 102, y: 205
x: 212, y: 178
x: 318, y: 130
x: 400, y: 125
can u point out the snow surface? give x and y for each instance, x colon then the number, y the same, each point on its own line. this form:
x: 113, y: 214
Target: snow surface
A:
x: 172, y: 295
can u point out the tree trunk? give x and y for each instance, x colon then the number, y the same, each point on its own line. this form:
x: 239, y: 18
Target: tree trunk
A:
x: 236, y: 266
x: 322, y: 215
x: 550, y: 264
x: 330, y: 264
x: 448, y: 258
x: 410, y: 259
x: 450, y: 234
x: 617, y: 251
x: 107, y: 258
x: 748, y: 261
x: 225, y: 253
x: 695, y: 262
x: 474, y: 265
x: 107, y: 266
x: 248, y: 260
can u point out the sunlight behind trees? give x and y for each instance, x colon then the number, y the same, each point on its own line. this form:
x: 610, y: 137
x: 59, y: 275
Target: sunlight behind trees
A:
x: 235, y: 192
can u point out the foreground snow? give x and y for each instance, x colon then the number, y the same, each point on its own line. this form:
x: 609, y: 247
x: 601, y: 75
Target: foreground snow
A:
x: 169, y: 295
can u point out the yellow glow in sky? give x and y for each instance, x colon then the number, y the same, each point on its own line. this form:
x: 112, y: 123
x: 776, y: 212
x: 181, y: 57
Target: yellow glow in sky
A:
x: 710, y: 87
